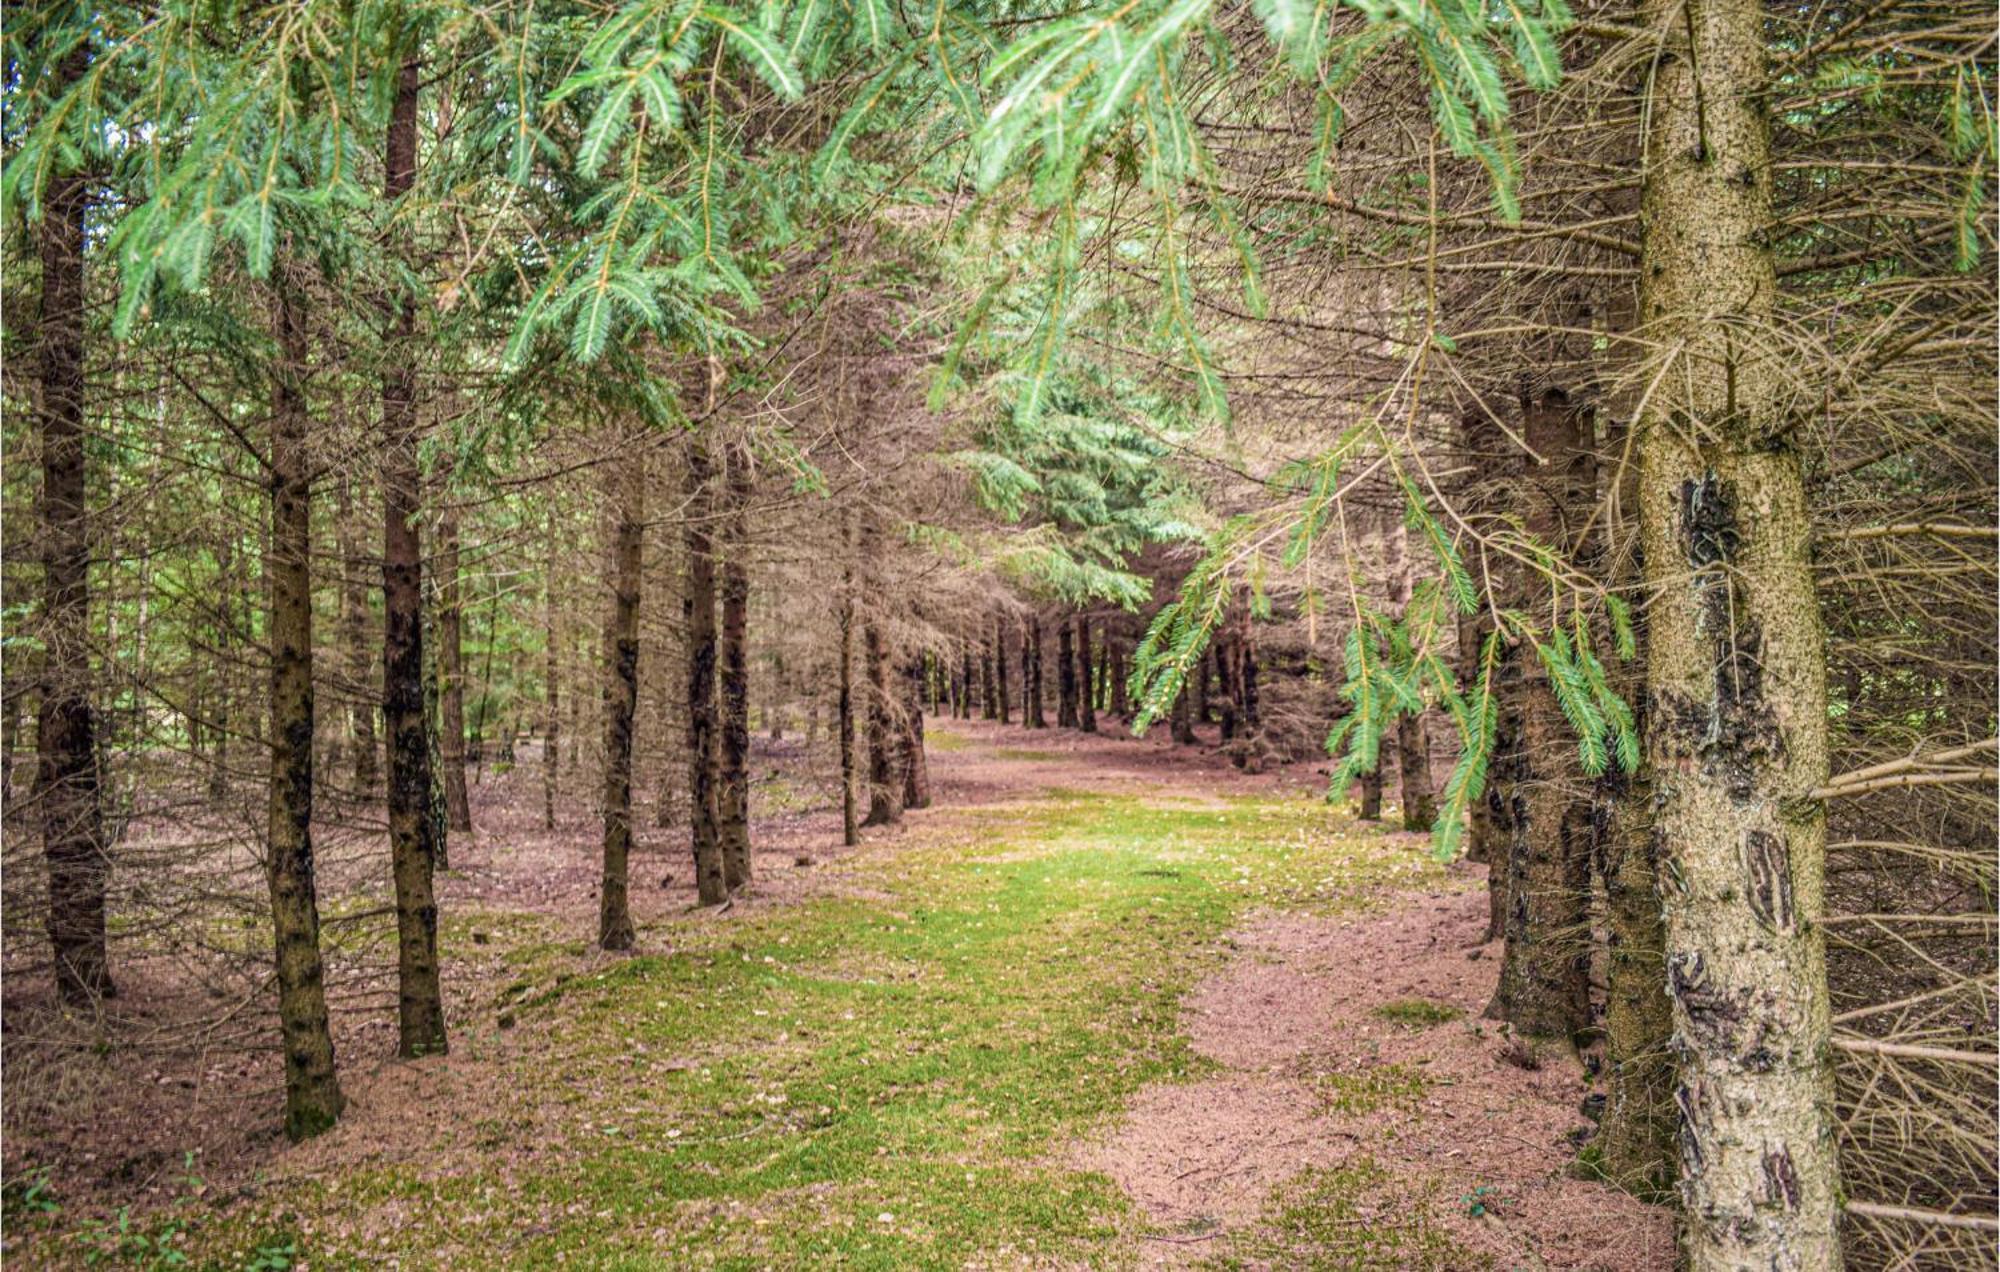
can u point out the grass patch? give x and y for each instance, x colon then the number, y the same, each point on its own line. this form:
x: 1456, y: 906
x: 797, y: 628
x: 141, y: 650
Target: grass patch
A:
x: 1386, y: 1086
x: 880, y: 1080
x: 1027, y: 754
x: 1341, y: 1219
x: 1418, y: 1013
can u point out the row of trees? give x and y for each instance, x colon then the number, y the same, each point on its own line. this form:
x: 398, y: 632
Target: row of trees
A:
x: 1612, y: 385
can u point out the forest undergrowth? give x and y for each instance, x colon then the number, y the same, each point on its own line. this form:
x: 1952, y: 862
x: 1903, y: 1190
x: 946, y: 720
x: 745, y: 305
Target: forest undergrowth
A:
x: 961, y: 1045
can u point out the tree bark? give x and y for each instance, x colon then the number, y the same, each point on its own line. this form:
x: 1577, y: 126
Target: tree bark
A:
x: 313, y: 1101
x: 621, y: 700
x: 1065, y: 676
x: 1031, y: 675
x: 1086, y: 710
x: 1736, y: 669
x: 733, y: 779
x: 1000, y: 666
x: 551, y: 683
x: 1413, y: 738
x: 1371, y: 795
x: 989, y: 703
x: 1181, y: 727
x: 1543, y: 990
x: 1225, y: 686
x: 850, y: 824
x: 412, y: 842
x: 72, y: 816
x: 698, y: 617
x: 354, y: 623
x: 451, y: 676
x: 883, y: 808
x: 916, y: 765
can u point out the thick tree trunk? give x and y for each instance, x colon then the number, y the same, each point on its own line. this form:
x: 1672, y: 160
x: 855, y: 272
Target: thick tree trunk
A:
x: 1371, y: 796
x: 621, y: 700
x: 412, y: 843
x: 883, y: 808
x: 1065, y: 676
x: 312, y: 1090
x: 850, y: 822
x: 1736, y: 669
x: 1543, y: 990
x: 1000, y: 667
x: 551, y: 684
x: 732, y: 796
x: 1086, y: 710
x: 698, y: 618
x: 67, y: 791
x: 451, y: 676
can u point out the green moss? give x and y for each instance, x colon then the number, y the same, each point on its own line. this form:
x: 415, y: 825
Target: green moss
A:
x: 1343, y: 1219
x: 1418, y: 1013
x: 1385, y: 1086
x: 765, y: 1089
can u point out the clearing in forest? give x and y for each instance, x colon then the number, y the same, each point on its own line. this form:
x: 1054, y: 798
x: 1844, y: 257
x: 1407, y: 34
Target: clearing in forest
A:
x: 1122, y: 1010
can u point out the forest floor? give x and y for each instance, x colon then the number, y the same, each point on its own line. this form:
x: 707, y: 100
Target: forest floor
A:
x: 1109, y: 1003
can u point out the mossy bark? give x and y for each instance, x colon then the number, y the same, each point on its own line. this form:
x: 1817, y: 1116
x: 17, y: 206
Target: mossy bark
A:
x: 1736, y: 667
x: 412, y: 838
x: 621, y: 703
x: 313, y: 1101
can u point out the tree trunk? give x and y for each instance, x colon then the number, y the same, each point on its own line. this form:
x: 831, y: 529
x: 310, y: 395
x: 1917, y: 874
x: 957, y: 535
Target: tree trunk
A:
x: 1736, y: 669
x: 1198, y: 678
x: 1413, y: 737
x: 67, y: 782
x: 412, y: 845
x: 882, y: 806
x: 1065, y: 676
x: 1000, y: 666
x: 732, y: 797
x: 1031, y: 675
x: 850, y: 824
x: 1182, y: 726
x: 1225, y: 685
x: 552, y: 684
x: 1121, y: 705
x: 1086, y: 710
x: 312, y: 1090
x: 1543, y: 990
x: 916, y: 765
x: 355, y: 638
x: 1371, y: 795
x: 698, y: 617
x: 989, y: 703
x: 451, y: 676
x: 621, y: 700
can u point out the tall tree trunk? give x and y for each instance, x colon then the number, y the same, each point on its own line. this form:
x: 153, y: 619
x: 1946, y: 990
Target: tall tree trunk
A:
x: 916, y: 765
x: 1484, y: 449
x: 1182, y: 726
x: 1121, y: 706
x: 1736, y: 668
x: 67, y: 782
x: 1371, y: 795
x: 1543, y: 990
x: 883, y: 808
x: 621, y: 699
x: 1065, y: 676
x: 1086, y: 710
x: 732, y: 797
x: 551, y: 682
x: 850, y: 823
x: 312, y: 1090
x: 1225, y: 685
x: 412, y: 842
x: 1198, y: 677
x: 1031, y: 674
x: 1000, y: 666
x: 451, y: 676
x: 698, y: 618
x: 989, y: 702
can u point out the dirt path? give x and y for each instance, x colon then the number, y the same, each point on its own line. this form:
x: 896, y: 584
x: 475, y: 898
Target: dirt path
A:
x: 1347, y: 1108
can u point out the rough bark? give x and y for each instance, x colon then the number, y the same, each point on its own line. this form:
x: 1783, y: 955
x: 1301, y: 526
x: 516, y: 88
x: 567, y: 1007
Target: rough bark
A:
x: 698, y: 620
x: 1413, y: 738
x: 883, y: 807
x: 1031, y: 675
x: 1086, y: 709
x: 1539, y: 785
x: 989, y: 705
x: 916, y: 765
x: 313, y: 1101
x: 732, y: 795
x: 354, y: 626
x: 1181, y: 726
x: 1371, y: 796
x: 551, y: 684
x: 1225, y: 685
x: 1065, y: 676
x: 621, y: 702
x: 1736, y: 669
x: 1000, y: 667
x: 412, y: 841
x: 850, y: 823
x: 451, y: 676
x: 67, y: 791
